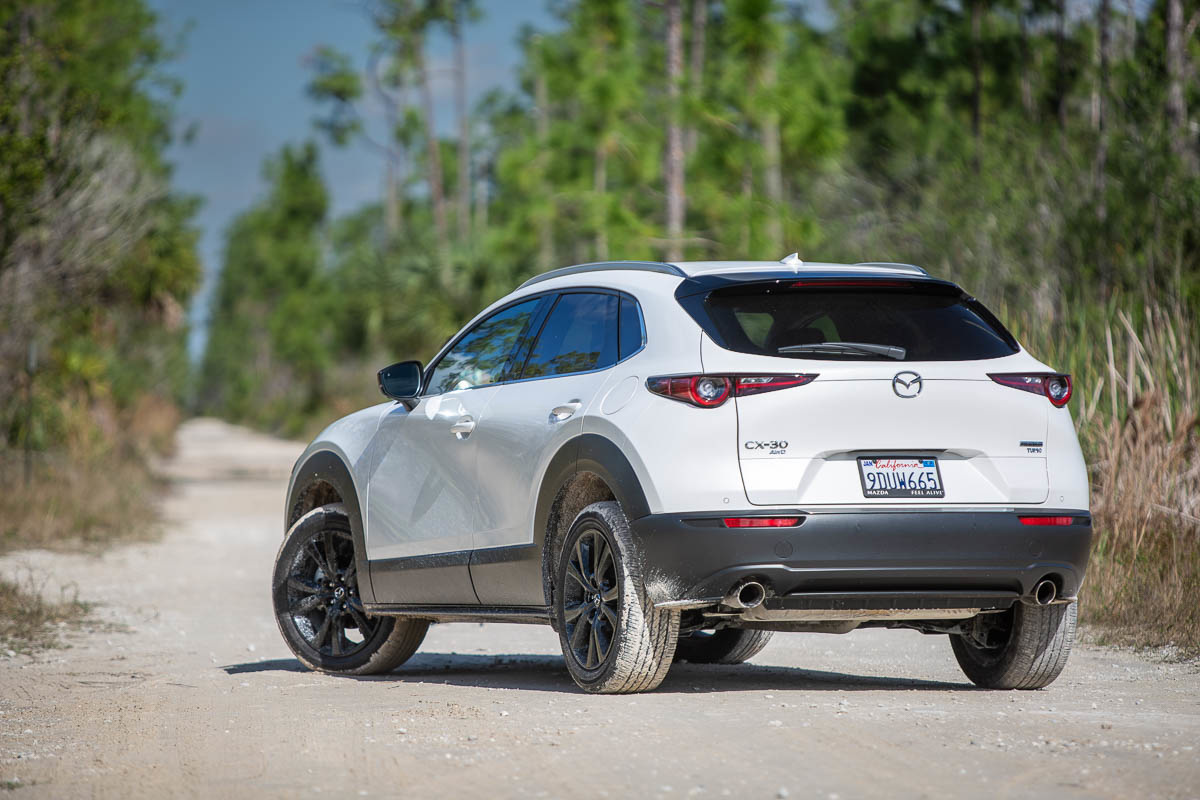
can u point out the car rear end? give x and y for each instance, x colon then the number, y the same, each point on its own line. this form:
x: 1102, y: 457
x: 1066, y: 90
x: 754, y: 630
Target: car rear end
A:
x: 903, y: 460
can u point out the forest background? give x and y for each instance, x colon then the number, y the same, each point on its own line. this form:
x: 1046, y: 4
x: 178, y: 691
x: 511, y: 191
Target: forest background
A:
x: 1045, y: 154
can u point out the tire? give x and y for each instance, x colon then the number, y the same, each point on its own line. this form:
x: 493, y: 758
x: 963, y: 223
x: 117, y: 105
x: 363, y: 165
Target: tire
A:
x: 323, y: 620
x: 726, y: 646
x: 1026, y: 647
x: 614, y: 640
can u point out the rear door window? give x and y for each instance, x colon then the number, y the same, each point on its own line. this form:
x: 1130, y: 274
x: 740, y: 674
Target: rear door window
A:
x: 580, y: 334
x: 910, y: 322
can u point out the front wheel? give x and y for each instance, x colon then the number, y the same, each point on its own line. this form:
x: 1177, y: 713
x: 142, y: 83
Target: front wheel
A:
x: 613, y: 638
x: 1025, y: 647
x: 318, y: 608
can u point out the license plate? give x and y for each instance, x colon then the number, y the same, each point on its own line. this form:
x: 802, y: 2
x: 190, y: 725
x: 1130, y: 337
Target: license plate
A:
x: 900, y: 477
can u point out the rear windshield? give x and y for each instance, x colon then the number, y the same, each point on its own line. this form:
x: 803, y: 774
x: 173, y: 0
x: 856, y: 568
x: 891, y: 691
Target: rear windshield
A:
x: 908, y: 323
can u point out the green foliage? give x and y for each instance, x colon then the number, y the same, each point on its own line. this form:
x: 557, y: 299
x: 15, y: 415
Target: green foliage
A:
x: 97, y: 254
x: 272, y: 327
x: 909, y: 130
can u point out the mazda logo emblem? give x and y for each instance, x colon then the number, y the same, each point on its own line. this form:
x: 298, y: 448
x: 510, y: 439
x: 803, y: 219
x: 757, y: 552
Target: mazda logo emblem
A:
x: 906, y: 384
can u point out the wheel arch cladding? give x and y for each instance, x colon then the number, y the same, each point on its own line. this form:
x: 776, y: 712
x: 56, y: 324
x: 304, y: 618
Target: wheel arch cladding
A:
x: 587, y: 469
x: 324, y: 478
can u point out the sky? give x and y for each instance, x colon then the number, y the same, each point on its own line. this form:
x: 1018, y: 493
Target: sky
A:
x: 242, y: 66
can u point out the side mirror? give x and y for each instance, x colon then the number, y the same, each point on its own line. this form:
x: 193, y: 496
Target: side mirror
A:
x: 401, y: 381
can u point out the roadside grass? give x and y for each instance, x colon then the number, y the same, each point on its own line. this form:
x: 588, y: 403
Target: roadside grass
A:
x: 95, y: 489
x: 29, y: 621
x: 75, y: 502
x: 1137, y: 408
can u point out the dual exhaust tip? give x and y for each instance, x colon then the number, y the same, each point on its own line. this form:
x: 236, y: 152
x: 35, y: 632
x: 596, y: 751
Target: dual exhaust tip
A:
x: 748, y: 594
x: 751, y: 594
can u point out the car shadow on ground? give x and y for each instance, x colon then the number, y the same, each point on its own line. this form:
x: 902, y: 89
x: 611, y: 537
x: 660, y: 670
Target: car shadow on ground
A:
x: 547, y: 673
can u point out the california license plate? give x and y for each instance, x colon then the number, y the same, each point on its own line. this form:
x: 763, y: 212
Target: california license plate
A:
x: 900, y: 477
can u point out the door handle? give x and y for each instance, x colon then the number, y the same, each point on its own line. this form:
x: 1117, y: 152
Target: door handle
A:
x: 462, y: 429
x: 565, y: 411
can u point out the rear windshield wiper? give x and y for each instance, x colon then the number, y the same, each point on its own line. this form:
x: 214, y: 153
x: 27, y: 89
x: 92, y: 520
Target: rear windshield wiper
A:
x: 847, y: 348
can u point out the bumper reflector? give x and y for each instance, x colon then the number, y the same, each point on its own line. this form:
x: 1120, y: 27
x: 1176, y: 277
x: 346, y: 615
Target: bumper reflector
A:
x: 1047, y: 520
x: 761, y: 522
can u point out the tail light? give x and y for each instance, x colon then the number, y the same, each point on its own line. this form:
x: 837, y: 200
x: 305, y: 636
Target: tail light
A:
x: 1056, y: 387
x: 710, y: 391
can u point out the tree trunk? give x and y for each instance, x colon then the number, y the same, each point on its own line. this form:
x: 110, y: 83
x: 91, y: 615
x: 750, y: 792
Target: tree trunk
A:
x: 482, y: 196
x: 600, y: 192
x: 1026, y: 73
x: 1060, y: 83
x: 1177, y: 117
x: 545, y: 220
x: 1103, y: 20
x: 464, y: 125
x: 747, y: 209
x: 977, y: 81
x: 436, y: 193
x: 696, y: 66
x: 772, y: 168
x: 674, y: 156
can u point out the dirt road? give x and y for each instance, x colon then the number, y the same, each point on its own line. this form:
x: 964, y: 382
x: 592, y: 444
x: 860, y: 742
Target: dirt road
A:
x: 188, y: 690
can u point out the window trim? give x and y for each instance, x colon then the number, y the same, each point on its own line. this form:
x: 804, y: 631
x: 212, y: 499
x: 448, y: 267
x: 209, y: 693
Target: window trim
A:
x: 525, y: 343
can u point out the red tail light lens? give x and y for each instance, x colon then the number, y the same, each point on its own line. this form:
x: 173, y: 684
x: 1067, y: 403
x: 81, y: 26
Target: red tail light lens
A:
x: 705, y: 391
x: 710, y: 391
x: 761, y: 522
x: 866, y: 283
x: 1056, y: 387
x: 757, y: 384
x: 1046, y: 520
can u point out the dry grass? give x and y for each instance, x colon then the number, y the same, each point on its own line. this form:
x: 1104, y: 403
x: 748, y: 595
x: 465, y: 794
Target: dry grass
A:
x: 96, y: 487
x: 29, y: 621
x: 1137, y: 408
x: 1145, y: 469
x: 76, y: 503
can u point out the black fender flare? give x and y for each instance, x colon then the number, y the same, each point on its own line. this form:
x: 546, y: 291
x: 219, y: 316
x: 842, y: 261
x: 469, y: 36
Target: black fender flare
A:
x: 328, y: 466
x: 586, y: 453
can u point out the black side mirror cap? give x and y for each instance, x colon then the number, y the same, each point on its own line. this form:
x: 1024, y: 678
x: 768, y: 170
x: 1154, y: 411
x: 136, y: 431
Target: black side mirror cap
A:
x: 401, y: 381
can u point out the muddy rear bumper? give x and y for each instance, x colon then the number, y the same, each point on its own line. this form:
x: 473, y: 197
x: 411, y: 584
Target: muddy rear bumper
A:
x: 911, y: 554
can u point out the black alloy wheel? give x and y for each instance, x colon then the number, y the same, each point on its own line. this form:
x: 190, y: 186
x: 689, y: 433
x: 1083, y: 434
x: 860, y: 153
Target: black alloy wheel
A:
x: 323, y: 598
x: 591, y: 599
x: 319, y: 608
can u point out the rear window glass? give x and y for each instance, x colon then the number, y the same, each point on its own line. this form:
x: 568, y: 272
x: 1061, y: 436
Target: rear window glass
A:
x: 632, y: 333
x: 906, y: 324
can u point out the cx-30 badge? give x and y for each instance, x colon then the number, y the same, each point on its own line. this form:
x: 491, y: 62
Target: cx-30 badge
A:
x: 906, y: 384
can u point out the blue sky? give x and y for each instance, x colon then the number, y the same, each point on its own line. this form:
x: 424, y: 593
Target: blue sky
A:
x: 243, y: 71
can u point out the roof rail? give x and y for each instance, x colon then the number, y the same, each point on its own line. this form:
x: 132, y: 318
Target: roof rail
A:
x: 603, y: 266
x: 893, y: 265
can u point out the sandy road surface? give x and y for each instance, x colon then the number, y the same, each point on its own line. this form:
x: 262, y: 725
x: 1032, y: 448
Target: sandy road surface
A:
x: 196, y: 695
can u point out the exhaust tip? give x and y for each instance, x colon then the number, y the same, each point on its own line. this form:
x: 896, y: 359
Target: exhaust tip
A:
x: 1045, y: 592
x: 746, y: 595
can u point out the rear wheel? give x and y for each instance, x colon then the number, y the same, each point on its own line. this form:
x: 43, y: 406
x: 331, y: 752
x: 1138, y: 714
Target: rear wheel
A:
x: 1025, y: 647
x: 613, y: 638
x: 318, y: 607
x: 726, y: 646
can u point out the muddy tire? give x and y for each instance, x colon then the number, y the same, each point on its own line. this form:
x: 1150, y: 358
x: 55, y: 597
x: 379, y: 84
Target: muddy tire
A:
x: 613, y: 639
x: 1023, y: 648
x: 317, y: 606
x: 726, y: 646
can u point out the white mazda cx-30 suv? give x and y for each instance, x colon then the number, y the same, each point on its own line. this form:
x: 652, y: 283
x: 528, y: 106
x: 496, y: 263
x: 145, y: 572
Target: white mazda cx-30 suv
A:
x: 672, y: 461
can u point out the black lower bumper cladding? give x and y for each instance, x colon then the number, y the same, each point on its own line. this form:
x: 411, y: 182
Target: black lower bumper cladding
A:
x: 913, y: 556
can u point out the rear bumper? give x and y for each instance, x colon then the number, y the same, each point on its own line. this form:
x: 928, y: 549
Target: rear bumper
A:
x: 693, y: 557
